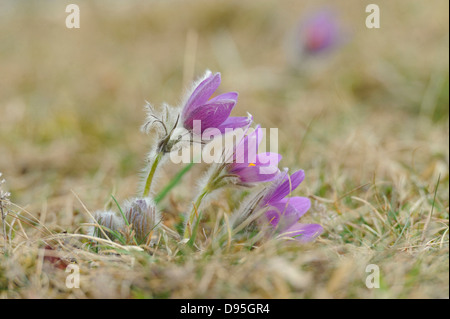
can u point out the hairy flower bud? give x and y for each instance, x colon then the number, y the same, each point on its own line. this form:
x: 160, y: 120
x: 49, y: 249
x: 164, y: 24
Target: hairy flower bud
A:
x: 110, y: 221
x: 143, y: 217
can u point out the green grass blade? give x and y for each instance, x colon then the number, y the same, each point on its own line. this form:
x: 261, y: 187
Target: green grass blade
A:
x: 174, y: 182
x: 191, y: 240
x: 121, y: 212
x: 124, y: 217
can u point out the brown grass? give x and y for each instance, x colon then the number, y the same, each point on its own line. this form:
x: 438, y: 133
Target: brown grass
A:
x: 368, y: 124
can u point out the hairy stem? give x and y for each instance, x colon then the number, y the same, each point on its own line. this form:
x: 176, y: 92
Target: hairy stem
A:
x: 151, y: 174
x: 215, y: 182
x: 5, y: 237
x: 192, y: 215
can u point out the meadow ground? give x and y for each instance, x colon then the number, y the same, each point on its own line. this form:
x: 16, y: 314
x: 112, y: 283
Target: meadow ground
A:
x: 368, y: 123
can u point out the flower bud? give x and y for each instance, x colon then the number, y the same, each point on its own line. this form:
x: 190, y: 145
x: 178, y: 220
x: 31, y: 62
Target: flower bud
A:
x: 110, y: 221
x: 143, y: 217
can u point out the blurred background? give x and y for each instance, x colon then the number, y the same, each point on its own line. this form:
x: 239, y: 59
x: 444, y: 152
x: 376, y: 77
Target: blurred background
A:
x: 352, y: 104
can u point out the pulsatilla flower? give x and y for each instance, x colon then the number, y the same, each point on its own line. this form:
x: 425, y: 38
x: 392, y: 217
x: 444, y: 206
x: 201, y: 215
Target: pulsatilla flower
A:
x: 241, y: 165
x: 213, y: 113
x: 284, y: 212
x: 320, y: 32
x: 142, y: 215
x: 248, y: 165
x: 110, y: 222
x: 317, y: 34
x: 197, y: 114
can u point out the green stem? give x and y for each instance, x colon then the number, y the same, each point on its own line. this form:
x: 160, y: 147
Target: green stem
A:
x: 191, y: 220
x: 215, y: 182
x: 151, y: 174
x: 174, y: 182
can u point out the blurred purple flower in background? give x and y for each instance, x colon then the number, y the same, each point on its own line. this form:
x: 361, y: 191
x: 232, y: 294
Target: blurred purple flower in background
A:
x: 321, y: 32
x: 318, y: 33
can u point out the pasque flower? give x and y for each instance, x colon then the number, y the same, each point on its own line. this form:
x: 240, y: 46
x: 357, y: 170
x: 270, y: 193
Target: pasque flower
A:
x: 198, y: 107
x: 141, y: 216
x: 213, y: 113
x: 239, y: 164
x: 248, y: 165
x: 284, y: 212
x: 290, y: 209
x: 320, y: 32
x: 110, y: 222
x: 242, y: 166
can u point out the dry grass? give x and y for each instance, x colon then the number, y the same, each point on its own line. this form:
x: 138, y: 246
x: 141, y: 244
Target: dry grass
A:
x: 369, y: 125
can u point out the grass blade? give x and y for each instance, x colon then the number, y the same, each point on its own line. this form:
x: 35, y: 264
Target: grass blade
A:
x: 174, y: 182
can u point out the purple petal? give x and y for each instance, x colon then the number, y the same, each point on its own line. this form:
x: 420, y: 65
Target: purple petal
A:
x: 232, y: 123
x: 303, y: 232
x: 211, y: 114
x: 288, y: 211
x: 281, y: 214
x: 285, y: 186
x: 224, y: 96
x: 300, y: 204
x: 247, y: 148
x: 260, y: 170
x: 201, y: 93
x: 260, y: 160
x: 296, y: 179
x: 255, y: 174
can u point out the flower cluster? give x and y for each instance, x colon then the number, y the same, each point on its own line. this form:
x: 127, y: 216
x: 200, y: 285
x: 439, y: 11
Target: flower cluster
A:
x: 241, y: 165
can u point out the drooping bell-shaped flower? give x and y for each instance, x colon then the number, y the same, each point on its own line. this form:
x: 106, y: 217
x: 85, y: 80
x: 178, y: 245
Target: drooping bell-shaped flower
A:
x: 249, y: 165
x: 211, y: 112
x: 283, y: 213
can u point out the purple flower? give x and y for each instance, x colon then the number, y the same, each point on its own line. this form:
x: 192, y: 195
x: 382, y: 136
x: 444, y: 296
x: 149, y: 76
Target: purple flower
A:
x: 320, y: 32
x: 303, y: 232
x: 250, y: 166
x: 213, y: 113
x: 283, y: 213
x: 283, y: 186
